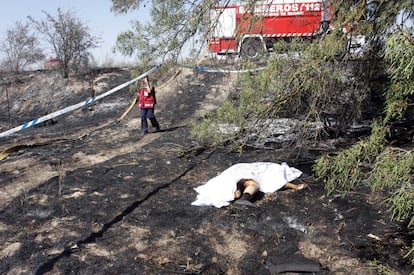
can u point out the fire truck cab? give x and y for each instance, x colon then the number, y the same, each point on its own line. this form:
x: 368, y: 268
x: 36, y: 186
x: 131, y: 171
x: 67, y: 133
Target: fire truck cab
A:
x: 251, y: 31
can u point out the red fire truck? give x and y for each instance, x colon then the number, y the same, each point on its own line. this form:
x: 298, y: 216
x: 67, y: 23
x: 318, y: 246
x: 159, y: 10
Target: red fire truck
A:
x: 251, y: 31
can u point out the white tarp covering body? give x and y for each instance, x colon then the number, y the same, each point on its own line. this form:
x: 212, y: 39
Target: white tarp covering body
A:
x: 219, y: 191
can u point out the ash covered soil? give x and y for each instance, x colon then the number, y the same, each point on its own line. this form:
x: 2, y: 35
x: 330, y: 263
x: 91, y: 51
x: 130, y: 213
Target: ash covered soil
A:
x: 84, y: 193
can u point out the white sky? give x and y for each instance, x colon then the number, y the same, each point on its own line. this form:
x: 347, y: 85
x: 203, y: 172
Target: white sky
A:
x: 95, y: 14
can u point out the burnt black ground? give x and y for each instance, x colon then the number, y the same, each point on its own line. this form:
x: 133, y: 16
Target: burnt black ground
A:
x: 94, y: 197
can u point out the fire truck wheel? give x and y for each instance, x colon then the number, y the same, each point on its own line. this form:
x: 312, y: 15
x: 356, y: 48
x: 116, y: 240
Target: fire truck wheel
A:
x: 252, y: 49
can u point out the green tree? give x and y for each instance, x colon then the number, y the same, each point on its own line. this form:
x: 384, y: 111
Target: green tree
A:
x: 69, y: 38
x: 175, y: 26
x: 20, y: 48
x: 377, y: 159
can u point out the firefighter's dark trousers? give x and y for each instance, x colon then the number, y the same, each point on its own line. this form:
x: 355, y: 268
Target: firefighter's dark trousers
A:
x: 148, y: 113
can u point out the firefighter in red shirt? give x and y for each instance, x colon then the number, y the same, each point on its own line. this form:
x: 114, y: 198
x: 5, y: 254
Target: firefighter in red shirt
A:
x: 146, y: 103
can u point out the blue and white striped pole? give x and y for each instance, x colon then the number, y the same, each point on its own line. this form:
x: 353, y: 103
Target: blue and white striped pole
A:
x: 76, y: 106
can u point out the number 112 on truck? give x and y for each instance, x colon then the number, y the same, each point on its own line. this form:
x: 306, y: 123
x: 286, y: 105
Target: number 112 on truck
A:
x: 251, y: 30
